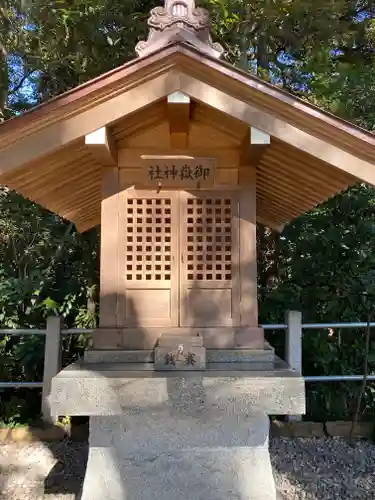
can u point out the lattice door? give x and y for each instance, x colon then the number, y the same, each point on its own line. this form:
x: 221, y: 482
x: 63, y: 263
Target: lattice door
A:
x: 149, y: 267
x: 210, y: 255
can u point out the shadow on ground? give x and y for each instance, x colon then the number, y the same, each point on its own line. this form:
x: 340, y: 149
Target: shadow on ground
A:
x: 304, y: 469
x: 67, y: 475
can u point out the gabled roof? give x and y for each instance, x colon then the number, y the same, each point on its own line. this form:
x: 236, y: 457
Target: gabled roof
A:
x: 312, y: 156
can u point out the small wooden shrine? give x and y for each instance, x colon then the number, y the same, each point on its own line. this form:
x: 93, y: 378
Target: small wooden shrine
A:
x: 177, y: 155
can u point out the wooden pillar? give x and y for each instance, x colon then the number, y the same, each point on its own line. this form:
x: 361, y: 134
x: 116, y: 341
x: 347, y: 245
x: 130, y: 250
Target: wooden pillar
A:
x: 108, y: 335
x: 250, y: 334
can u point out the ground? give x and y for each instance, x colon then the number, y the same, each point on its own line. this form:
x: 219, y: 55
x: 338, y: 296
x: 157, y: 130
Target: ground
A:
x: 305, y: 469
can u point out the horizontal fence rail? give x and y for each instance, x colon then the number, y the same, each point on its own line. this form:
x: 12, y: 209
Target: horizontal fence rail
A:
x: 338, y: 378
x: 23, y: 385
x: 17, y: 331
x: 315, y: 326
x: 293, y: 327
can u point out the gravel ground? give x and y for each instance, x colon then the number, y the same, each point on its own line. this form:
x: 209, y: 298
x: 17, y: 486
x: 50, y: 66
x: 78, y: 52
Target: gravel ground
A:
x: 305, y: 469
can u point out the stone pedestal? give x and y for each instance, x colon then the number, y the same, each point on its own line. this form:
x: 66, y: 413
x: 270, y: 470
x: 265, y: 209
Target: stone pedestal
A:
x: 199, y: 435
x: 151, y: 458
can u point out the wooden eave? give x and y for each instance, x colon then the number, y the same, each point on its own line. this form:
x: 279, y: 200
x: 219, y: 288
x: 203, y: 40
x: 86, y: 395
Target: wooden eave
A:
x: 313, y: 154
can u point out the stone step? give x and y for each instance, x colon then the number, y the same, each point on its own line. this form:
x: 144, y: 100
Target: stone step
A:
x: 266, y: 355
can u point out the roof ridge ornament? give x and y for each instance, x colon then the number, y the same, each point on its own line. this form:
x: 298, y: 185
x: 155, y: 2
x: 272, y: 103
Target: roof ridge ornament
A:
x: 179, y: 21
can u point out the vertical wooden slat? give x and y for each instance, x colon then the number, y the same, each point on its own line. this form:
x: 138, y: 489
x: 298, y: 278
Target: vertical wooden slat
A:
x: 235, y: 255
x: 182, y: 257
x: 109, y: 258
x: 175, y: 259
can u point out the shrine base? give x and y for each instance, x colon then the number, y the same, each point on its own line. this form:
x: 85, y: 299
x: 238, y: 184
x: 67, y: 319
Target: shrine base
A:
x: 146, y: 459
x: 199, y: 435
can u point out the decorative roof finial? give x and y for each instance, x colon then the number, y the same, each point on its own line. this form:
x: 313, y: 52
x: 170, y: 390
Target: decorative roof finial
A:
x: 179, y: 21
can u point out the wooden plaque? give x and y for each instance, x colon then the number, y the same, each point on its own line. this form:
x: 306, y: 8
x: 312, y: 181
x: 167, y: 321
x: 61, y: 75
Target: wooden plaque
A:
x: 178, y: 172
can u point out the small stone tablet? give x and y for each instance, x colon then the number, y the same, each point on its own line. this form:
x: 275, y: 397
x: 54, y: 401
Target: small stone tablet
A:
x: 180, y: 353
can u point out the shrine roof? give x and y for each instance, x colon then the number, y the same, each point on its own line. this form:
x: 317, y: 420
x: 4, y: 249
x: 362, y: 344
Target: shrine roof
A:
x: 312, y: 155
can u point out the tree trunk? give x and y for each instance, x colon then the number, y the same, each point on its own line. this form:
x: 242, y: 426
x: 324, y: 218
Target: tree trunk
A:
x: 4, y: 76
x: 3, y: 82
x: 262, y: 53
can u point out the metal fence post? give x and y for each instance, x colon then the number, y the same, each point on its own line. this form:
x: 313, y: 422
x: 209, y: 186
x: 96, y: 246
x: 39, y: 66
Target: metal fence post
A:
x: 52, y: 363
x: 293, y: 345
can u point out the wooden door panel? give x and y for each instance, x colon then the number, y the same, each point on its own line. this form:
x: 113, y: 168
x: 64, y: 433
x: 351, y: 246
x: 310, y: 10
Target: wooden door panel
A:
x: 149, y: 247
x: 209, y: 284
x: 208, y: 306
x: 148, y: 305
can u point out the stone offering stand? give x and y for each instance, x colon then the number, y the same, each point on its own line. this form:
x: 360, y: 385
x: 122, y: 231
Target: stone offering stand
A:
x: 170, y: 431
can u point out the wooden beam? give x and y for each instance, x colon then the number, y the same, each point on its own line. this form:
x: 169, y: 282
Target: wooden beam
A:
x: 276, y: 127
x: 131, y: 157
x: 179, y: 119
x: 254, y: 146
x: 102, y: 146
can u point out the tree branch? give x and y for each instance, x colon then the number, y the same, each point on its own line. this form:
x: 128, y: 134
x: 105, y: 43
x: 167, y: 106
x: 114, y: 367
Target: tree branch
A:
x: 21, y: 82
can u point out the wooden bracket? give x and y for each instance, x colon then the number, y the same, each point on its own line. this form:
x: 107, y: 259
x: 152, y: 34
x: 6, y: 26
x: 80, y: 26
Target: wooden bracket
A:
x: 257, y: 137
x: 254, y: 146
x: 179, y: 119
x: 102, y: 146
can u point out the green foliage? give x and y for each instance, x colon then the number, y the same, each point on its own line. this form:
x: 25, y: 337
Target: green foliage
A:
x: 325, y: 268
x: 46, y: 268
x: 11, y: 412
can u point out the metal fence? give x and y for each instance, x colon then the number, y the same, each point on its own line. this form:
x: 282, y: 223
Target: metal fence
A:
x: 293, y: 328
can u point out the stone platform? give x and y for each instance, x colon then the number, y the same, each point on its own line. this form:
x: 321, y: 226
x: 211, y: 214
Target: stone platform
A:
x: 199, y: 435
